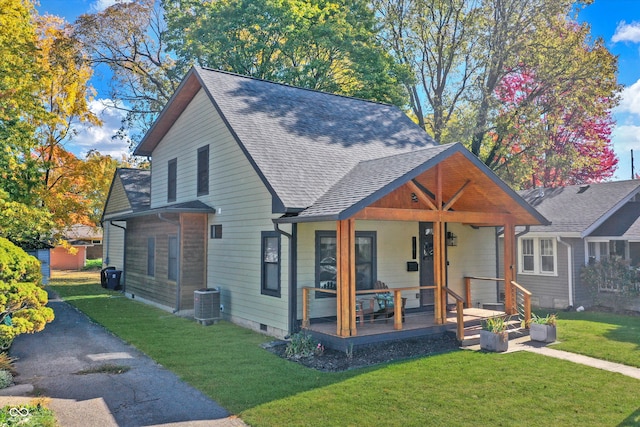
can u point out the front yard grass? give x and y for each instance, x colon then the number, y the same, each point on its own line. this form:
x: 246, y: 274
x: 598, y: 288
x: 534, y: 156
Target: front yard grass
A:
x: 457, y: 388
x: 605, y: 336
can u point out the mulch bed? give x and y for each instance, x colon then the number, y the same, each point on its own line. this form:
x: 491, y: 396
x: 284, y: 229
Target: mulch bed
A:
x: 335, y: 361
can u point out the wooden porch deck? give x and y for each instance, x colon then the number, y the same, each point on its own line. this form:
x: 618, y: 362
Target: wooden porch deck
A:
x: 417, y: 324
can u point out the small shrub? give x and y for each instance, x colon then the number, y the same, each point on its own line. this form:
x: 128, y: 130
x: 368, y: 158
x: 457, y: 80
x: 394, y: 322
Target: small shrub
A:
x: 302, y: 344
x: 93, y: 264
x: 495, y: 324
x: 6, y: 379
x: 611, y: 282
x: 27, y: 416
x: 549, y: 319
x: 6, y: 363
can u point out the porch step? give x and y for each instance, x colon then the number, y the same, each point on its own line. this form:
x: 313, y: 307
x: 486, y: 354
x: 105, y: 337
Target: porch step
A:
x: 472, y: 333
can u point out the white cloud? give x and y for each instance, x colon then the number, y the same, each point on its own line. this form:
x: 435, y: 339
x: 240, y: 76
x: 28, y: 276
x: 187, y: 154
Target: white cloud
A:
x: 100, y: 5
x: 100, y: 138
x: 626, y: 138
x: 630, y: 102
x: 627, y: 32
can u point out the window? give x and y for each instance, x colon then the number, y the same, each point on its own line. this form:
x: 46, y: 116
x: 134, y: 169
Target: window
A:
x: 598, y: 251
x: 173, y: 259
x: 172, y: 168
x: 537, y: 256
x: 271, y: 263
x: 151, y: 256
x: 528, y: 256
x: 326, y: 268
x: 203, y: 170
x: 216, y: 231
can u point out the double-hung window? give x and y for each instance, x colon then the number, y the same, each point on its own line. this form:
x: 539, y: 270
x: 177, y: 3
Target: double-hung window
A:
x: 270, y: 263
x: 538, y: 255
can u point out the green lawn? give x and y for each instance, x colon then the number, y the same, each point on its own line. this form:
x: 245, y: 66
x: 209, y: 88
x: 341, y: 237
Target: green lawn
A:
x: 458, y: 388
x: 611, y: 337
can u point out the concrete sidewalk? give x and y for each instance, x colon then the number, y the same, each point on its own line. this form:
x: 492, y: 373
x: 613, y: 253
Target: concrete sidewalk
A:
x: 146, y: 395
x: 540, y: 348
x: 525, y: 344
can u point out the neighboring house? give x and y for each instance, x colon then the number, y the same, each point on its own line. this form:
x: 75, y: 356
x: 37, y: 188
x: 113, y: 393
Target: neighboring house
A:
x: 588, y: 223
x: 86, y: 242
x: 264, y: 190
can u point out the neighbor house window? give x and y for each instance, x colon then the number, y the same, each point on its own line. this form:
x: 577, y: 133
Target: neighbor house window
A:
x: 598, y: 251
x: 326, y: 268
x: 203, y: 170
x: 151, y: 256
x: 173, y: 259
x: 271, y: 263
x: 538, y: 256
x: 172, y: 170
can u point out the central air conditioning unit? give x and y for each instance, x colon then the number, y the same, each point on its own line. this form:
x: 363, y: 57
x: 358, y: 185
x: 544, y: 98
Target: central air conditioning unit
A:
x: 206, y: 305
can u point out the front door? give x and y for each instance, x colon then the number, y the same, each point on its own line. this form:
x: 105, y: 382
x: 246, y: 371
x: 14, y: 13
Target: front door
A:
x: 426, y: 264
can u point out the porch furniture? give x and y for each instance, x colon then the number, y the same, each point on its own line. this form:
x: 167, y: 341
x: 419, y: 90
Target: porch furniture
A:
x: 365, y: 308
x: 386, y: 303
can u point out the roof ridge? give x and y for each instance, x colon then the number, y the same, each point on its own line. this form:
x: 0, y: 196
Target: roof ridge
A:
x: 230, y: 73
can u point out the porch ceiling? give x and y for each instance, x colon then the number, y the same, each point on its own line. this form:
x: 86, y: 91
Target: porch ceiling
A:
x: 465, y: 189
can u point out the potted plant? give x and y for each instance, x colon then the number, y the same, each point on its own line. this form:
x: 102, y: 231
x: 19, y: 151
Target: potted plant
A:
x: 543, y: 329
x: 494, y: 335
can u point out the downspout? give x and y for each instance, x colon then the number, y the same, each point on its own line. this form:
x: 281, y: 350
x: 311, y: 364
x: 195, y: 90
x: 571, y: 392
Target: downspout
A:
x: 124, y: 255
x: 293, y: 271
x: 179, y: 272
x: 569, y: 267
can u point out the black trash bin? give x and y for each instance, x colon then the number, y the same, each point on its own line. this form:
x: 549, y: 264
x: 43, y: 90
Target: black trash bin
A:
x: 113, y: 279
x: 103, y: 276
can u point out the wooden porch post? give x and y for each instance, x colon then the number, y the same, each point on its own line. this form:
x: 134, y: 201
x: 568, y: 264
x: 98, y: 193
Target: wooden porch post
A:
x: 509, y: 265
x: 439, y: 258
x: 346, y: 277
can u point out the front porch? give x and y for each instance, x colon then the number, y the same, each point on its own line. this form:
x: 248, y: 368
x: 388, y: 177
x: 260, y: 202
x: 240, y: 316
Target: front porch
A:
x: 417, y: 324
x: 461, y: 318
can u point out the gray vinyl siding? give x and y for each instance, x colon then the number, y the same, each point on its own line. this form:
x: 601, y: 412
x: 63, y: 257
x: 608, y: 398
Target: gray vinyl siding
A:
x: 244, y: 211
x: 548, y: 291
x: 582, y: 294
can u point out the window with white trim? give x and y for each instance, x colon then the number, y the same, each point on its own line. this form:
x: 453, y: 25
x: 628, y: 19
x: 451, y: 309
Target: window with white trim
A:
x: 537, y: 256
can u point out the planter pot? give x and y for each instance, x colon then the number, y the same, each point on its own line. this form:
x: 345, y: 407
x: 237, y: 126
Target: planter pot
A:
x: 542, y: 333
x: 494, y: 341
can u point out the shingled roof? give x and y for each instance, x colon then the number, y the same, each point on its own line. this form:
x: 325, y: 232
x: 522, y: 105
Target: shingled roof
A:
x: 581, y: 209
x: 137, y: 187
x: 301, y: 142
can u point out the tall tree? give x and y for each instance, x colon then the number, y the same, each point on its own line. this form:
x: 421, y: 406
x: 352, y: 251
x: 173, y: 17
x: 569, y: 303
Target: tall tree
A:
x: 65, y: 92
x: 317, y: 44
x: 129, y: 39
x: 555, y: 123
x: 462, y: 51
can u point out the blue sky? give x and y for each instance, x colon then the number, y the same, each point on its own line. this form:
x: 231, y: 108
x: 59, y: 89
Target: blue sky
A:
x: 617, y: 22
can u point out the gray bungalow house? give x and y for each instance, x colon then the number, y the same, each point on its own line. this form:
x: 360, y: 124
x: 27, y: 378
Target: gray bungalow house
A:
x: 295, y: 203
x: 588, y: 223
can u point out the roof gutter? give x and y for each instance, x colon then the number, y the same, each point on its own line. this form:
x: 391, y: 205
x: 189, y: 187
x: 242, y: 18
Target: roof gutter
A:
x: 179, y: 273
x: 292, y: 273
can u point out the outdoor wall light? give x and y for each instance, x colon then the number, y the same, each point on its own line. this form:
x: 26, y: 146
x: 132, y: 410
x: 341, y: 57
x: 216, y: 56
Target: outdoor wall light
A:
x: 452, y: 239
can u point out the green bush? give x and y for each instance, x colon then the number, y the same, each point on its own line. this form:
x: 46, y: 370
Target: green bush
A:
x: 6, y: 379
x: 16, y: 265
x: 27, y: 416
x: 302, y: 344
x: 22, y: 299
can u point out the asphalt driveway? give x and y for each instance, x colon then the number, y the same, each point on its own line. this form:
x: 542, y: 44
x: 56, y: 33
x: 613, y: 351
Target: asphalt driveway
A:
x: 145, y: 395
